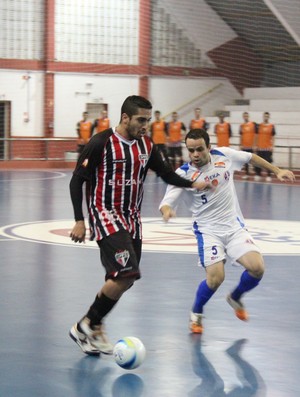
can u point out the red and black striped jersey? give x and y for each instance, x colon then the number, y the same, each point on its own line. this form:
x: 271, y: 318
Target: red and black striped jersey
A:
x: 115, y: 169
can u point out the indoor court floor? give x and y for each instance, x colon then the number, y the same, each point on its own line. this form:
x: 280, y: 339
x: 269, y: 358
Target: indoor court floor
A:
x: 48, y: 283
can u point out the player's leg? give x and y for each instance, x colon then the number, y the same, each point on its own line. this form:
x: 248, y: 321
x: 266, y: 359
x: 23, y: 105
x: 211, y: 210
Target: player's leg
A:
x: 214, y: 277
x: 249, y: 256
x: 120, y: 255
x: 212, y: 258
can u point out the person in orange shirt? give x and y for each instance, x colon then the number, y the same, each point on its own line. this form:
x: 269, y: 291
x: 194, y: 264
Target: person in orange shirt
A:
x: 198, y: 121
x: 265, y: 143
x: 101, y: 124
x: 248, y: 131
x: 175, y: 128
x: 158, y: 133
x: 223, y: 131
x: 84, y: 131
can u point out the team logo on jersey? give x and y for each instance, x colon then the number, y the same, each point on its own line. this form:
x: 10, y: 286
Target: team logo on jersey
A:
x: 215, y: 182
x: 220, y: 164
x: 122, y: 257
x: 143, y: 159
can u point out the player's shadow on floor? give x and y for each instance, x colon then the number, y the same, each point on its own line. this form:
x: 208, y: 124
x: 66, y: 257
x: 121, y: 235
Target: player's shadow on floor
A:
x: 212, y: 385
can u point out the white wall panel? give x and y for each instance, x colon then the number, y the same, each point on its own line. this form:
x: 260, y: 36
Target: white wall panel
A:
x: 170, y: 94
x: 74, y: 91
x: 26, y: 96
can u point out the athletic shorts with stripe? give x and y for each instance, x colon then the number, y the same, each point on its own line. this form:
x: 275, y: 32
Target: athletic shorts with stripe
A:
x: 120, y: 255
x: 217, y: 248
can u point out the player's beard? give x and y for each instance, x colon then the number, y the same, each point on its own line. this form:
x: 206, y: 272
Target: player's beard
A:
x: 133, y: 133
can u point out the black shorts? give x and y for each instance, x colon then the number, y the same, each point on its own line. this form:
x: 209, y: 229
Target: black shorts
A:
x: 266, y: 155
x: 120, y: 255
x: 175, y: 151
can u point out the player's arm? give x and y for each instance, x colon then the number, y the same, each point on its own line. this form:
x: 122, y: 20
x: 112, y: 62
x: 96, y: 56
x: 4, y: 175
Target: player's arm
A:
x: 273, y: 136
x: 167, y: 212
x: 89, y: 159
x: 78, y: 232
x: 281, y: 174
x: 164, y: 170
x: 170, y: 201
x: 78, y: 129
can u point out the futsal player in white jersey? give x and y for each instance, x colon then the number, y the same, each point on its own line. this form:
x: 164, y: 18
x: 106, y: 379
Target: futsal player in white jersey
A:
x: 218, y: 223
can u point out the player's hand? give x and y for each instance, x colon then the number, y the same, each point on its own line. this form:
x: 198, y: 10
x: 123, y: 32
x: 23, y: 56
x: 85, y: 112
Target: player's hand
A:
x: 167, y: 212
x: 283, y: 175
x: 78, y: 232
x: 202, y: 185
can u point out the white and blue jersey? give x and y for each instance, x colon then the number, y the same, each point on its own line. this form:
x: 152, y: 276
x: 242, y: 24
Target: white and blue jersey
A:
x: 216, y: 214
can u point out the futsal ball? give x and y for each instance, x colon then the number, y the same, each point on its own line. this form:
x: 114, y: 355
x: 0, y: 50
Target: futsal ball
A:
x: 129, y: 352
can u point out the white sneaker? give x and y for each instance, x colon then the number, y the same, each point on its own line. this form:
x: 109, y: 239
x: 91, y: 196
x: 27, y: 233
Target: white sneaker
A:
x: 245, y: 177
x: 96, y: 337
x: 257, y: 178
x: 268, y: 179
x: 83, y: 342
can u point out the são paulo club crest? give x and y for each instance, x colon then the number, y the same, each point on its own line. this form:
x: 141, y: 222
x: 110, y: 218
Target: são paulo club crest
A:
x: 122, y: 257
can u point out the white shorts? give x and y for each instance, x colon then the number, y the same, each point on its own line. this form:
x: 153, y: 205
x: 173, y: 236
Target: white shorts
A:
x: 213, y: 248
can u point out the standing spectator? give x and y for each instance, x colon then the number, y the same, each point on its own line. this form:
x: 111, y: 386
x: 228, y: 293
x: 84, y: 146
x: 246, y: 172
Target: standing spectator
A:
x: 113, y: 166
x: 248, y: 131
x: 84, y: 131
x: 265, y: 144
x: 158, y: 133
x: 223, y: 131
x: 198, y: 121
x: 175, y: 137
x: 101, y: 124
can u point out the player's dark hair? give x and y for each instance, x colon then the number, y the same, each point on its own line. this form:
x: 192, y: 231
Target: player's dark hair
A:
x: 133, y: 103
x: 198, y: 133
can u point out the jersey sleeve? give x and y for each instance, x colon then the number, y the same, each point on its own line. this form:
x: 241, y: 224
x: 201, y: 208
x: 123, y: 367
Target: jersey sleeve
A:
x: 91, y: 156
x: 238, y: 157
x: 175, y: 195
x: 163, y: 169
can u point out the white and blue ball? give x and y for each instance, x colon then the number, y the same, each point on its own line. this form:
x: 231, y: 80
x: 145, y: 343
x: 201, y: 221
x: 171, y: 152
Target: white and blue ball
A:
x: 129, y: 352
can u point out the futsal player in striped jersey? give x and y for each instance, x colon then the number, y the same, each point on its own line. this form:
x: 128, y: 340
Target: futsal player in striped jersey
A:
x: 218, y: 223
x: 114, y: 165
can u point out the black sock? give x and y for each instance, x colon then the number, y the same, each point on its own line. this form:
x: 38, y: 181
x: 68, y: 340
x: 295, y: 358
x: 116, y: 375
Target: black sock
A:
x: 99, y: 309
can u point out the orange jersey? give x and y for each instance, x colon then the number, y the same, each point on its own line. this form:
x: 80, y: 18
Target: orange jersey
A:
x: 85, y: 130
x: 174, y: 129
x: 195, y: 124
x: 265, y: 136
x: 158, y: 132
x: 223, y: 132
x: 247, y: 132
x: 102, y: 124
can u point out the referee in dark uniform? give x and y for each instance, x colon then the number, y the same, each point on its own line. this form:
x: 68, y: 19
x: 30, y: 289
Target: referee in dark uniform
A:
x: 114, y: 165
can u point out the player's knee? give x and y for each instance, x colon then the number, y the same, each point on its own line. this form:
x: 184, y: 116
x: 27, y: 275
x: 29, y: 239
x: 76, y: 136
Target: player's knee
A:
x: 257, y: 270
x: 214, y: 281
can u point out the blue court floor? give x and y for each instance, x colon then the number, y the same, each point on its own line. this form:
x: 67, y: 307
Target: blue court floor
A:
x: 48, y: 283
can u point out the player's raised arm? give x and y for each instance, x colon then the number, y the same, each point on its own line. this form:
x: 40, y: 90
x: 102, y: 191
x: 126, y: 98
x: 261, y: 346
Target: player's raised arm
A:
x: 281, y: 174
